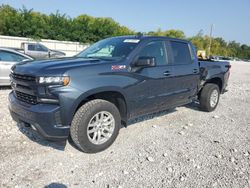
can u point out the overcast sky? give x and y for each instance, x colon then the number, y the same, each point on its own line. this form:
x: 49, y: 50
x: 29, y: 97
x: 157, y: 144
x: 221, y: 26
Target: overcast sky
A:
x: 231, y: 18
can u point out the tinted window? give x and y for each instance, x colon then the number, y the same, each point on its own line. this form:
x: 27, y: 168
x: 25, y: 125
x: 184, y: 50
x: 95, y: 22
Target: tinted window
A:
x: 41, y: 48
x: 31, y: 47
x: 181, y: 53
x: 9, y: 56
x: 155, y: 49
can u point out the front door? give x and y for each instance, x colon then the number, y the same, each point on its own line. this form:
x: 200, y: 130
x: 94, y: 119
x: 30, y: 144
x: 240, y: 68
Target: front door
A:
x: 42, y: 51
x: 154, y: 87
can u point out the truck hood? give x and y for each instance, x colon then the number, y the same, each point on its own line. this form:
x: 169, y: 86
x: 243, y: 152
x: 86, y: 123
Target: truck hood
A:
x: 53, y: 65
x: 56, y: 52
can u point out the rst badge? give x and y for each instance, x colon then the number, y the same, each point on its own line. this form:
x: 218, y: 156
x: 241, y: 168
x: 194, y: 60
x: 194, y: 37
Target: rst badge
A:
x: 118, y: 67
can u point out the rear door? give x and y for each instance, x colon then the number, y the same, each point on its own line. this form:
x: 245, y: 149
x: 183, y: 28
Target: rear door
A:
x: 185, y: 71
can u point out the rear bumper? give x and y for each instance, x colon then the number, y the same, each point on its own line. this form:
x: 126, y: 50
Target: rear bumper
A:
x: 44, y: 118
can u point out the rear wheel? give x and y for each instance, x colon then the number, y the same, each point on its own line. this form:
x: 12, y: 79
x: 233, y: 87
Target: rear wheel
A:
x: 95, y: 126
x: 209, y: 97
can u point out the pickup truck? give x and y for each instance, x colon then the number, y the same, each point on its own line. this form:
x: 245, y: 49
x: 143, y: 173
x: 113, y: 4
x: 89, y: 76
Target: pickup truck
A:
x: 39, y: 51
x: 92, y: 95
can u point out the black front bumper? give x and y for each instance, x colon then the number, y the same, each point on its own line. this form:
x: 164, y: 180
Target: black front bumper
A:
x: 44, y: 118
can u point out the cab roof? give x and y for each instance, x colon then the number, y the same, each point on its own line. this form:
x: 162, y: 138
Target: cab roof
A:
x: 146, y: 37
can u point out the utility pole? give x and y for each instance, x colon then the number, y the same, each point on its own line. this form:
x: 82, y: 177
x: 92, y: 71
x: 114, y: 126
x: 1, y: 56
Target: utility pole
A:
x: 210, y: 39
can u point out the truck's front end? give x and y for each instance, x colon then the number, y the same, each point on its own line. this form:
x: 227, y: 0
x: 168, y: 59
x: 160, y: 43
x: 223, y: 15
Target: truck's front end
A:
x: 32, y: 102
x: 42, y: 96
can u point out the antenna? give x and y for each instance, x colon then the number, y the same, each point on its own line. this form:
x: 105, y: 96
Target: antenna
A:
x: 210, y: 39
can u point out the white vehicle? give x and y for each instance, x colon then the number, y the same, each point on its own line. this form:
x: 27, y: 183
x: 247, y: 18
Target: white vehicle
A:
x: 39, y: 51
x: 8, y: 58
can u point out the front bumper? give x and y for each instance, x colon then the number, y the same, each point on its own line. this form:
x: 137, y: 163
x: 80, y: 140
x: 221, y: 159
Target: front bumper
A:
x: 45, y: 118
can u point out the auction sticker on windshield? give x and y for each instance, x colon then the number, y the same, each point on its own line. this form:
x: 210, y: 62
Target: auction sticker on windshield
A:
x: 131, y: 40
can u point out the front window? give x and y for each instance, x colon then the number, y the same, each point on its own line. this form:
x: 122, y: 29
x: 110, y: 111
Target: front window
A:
x: 111, y: 48
x: 157, y: 50
x: 41, y: 48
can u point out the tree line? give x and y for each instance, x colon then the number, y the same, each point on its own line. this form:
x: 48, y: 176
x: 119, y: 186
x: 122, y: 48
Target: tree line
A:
x: 88, y: 29
x: 219, y: 46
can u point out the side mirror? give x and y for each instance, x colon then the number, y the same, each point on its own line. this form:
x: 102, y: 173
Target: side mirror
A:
x: 145, y: 62
x: 49, y: 53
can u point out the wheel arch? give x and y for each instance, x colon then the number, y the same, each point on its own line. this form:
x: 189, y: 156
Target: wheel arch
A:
x: 112, y: 94
x: 216, y: 80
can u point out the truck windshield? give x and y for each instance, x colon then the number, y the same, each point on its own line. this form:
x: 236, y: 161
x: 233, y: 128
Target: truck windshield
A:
x: 111, y: 48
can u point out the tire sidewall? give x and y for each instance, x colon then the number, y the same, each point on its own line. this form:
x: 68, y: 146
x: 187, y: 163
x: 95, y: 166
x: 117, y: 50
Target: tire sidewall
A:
x: 82, y: 128
x: 214, y: 87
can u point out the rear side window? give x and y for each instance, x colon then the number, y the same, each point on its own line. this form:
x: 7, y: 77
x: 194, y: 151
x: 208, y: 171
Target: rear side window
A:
x: 9, y: 56
x: 31, y: 47
x: 181, y: 53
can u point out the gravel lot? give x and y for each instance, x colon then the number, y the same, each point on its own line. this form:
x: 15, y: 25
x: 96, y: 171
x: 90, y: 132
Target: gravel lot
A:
x: 183, y: 147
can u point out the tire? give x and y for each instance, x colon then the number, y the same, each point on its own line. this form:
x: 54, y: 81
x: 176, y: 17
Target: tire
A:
x: 89, y: 116
x: 206, y: 96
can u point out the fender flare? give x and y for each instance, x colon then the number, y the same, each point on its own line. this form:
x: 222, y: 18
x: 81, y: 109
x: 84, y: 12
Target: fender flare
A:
x: 85, y: 95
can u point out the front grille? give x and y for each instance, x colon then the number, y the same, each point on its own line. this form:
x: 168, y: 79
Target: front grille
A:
x: 23, y: 77
x: 24, y: 87
x: 30, y: 99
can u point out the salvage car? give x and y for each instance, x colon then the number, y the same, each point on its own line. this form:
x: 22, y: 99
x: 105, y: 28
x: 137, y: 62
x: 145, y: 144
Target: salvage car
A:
x: 8, y: 58
x: 39, y: 51
x: 90, y: 96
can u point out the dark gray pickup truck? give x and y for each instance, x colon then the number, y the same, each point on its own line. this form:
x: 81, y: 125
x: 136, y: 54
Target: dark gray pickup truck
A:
x: 91, y: 95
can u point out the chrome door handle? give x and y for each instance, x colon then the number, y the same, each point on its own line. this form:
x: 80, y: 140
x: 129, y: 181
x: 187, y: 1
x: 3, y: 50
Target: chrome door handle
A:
x: 167, y: 73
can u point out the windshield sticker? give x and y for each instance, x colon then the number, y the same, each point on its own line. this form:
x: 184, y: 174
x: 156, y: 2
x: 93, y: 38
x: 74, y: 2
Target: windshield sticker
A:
x: 131, y: 40
x: 118, y: 67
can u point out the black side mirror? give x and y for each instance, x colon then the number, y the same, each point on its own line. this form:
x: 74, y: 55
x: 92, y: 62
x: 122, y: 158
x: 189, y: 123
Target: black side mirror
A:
x: 145, y: 62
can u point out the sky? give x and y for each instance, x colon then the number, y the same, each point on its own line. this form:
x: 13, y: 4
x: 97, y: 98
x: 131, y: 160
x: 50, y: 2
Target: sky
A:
x: 231, y: 18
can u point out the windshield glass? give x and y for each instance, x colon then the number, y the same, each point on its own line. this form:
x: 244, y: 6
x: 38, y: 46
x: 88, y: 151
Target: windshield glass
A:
x: 110, y: 48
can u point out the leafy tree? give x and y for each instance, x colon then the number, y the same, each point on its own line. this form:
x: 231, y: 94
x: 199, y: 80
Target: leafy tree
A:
x: 169, y: 33
x: 88, y: 29
x: 84, y: 28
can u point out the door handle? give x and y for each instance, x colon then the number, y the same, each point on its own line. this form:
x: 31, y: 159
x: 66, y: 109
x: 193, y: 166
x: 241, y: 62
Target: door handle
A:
x: 195, y: 71
x: 167, y: 73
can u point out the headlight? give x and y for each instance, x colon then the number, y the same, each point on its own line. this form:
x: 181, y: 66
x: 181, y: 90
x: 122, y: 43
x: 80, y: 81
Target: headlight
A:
x: 54, y: 80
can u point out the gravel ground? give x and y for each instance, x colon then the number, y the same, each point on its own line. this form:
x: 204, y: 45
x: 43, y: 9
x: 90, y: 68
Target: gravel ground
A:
x: 180, y: 148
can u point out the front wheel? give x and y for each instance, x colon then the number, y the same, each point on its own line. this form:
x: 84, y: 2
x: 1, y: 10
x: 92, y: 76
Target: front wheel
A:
x: 209, y: 97
x: 95, y: 126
